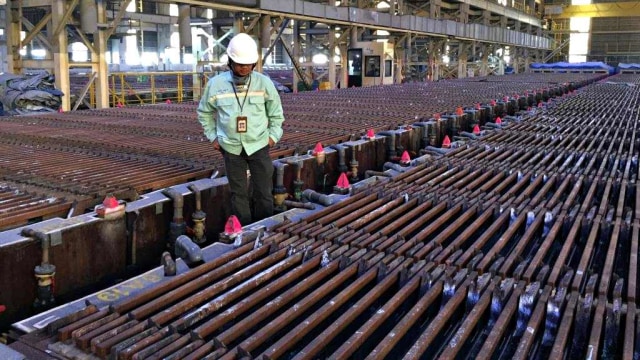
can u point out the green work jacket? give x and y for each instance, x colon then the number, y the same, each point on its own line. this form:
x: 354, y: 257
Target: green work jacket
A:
x: 220, y: 106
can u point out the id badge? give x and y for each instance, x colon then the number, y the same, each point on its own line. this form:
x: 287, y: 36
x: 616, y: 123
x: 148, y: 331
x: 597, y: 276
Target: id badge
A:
x: 241, y: 124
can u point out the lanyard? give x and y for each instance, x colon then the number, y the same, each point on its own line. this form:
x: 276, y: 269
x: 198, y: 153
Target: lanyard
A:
x: 245, y: 94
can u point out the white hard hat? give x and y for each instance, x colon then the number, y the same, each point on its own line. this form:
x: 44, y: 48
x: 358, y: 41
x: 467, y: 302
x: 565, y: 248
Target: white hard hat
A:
x: 242, y: 49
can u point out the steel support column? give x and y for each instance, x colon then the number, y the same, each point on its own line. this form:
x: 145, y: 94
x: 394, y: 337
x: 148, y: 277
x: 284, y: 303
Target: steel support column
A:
x: 484, y: 63
x: 344, y: 70
x: 60, y: 54
x: 264, y: 37
x: 399, y: 59
x: 13, y: 39
x: 407, y: 56
x: 308, y: 53
x: 463, y: 55
x: 99, y: 66
x: 184, y: 29
x: 332, y: 54
x: 434, y: 62
x: 296, y: 54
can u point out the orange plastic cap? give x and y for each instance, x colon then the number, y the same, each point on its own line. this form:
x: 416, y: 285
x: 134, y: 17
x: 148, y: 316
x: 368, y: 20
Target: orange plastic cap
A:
x: 405, y: 158
x: 370, y: 134
x: 343, y: 182
x: 110, y: 202
x: 446, y: 142
x: 318, y: 149
x: 233, y: 225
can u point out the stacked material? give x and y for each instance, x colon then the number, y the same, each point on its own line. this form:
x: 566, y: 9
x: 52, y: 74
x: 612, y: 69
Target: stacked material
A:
x: 25, y: 94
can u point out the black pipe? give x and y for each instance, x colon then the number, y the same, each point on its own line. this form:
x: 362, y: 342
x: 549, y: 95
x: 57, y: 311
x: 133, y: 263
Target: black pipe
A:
x: 44, y: 272
x: 177, y: 226
x: 188, y: 250
x: 199, y: 217
x: 391, y: 148
x: 370, y: 173
x: 300, y: 205
x: 316, y: 197
x: 342, y: 156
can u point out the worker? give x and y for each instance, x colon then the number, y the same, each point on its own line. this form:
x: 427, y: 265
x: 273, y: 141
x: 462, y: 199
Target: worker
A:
x: 241, y: 114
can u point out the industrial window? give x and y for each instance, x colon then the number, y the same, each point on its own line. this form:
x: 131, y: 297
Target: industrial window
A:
x: 149, y: 41
x: 278, y: 53
x: 149, y: 7
x: 372, y: 66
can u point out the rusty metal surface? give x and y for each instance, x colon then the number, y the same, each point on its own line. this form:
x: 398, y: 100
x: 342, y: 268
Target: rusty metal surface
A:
x: 82, y: 156
x: 538, y: 259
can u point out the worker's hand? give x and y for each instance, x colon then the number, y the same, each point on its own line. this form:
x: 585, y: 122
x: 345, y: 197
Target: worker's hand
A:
x: 271, y: 142
x: 216, y: 144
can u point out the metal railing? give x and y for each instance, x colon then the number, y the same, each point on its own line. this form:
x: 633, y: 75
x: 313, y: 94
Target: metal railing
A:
x: 150, y: 87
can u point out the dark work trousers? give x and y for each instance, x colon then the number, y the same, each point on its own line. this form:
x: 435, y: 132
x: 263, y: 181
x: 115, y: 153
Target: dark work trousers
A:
x: 261, y: 168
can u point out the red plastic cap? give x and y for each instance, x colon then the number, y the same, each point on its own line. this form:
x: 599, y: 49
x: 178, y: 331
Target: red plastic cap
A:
x: 459, y: 111
x: 446, y: 142
x: 318, y: 149
x: 405, y: 158
x: 476, y: 129
x: 110, y: 202
x: 370, y: 134
x: 168, y: 101
x: 436, y: 116
x: 343, y: 182
x: 233, y: 225
x: 498, y: 121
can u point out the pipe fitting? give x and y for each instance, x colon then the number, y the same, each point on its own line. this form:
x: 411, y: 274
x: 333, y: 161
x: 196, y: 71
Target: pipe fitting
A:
x: 168, y: 264
x: 354, y: 170
x: 188, y: 251
x: 298, y: 184
x: 423, y: 159
x: 317, y: 197
x: 279, y: 191
x: 178, y: 203
x: 300, y: 205
x: 354, y: 165
x: 370, y: 173
x: 391, y: 148
x: 342, y: 155
x: 422, y: 128
x: 45, y: 272
x: 469, y: 135
x: 397, y: 167
x: 199, y: 217
x: 177, y: 226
